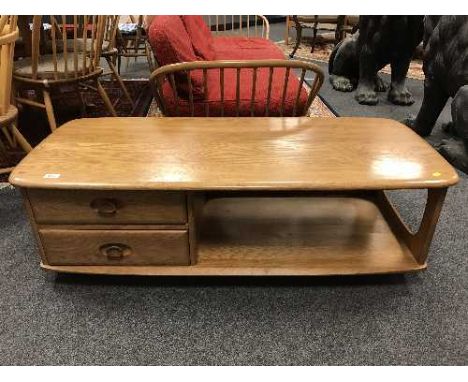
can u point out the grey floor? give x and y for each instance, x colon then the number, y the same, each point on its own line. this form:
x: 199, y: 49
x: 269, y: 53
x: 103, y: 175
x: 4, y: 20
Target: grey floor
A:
x: 416, y: 319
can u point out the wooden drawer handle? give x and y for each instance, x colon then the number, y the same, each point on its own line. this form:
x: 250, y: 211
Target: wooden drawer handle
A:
x: 115, y: 251
x: 105, y: 206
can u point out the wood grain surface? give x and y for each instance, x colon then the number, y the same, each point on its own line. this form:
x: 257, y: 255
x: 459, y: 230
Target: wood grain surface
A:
x: 88, y: 247
x: 232, y: 154
x: 107, y: 207
x: 286, y: 236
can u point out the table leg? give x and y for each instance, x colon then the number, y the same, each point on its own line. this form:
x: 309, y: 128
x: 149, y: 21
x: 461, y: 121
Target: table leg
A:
x: 420, y: 241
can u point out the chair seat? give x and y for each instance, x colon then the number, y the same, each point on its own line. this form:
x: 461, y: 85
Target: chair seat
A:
x: 128, y: 28
x: 45, y: 67
x: 245, y: 48
x: 305, y: 25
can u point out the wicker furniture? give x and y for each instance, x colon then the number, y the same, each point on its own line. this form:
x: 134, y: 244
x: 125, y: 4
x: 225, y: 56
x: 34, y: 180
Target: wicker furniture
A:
x: 230, y: 196
x: 8, y: 112
x: 72, y: 58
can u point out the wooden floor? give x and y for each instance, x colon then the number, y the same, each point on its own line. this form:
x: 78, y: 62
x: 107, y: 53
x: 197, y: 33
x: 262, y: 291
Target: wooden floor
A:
x: 286, y: 236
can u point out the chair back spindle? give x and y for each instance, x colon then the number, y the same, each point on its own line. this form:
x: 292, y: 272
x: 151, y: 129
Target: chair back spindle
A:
x: 240, y: 25
x: 72, y: 45
x: 8, y: 35
x: 293, y: 97
x: 65, y: 51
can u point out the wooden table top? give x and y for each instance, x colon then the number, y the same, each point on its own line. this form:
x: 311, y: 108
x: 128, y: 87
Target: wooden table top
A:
x: 234, y: 153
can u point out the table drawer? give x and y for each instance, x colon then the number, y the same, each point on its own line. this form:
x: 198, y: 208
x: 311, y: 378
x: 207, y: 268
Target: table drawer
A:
x: 107, y: 207
x: 115, y: 247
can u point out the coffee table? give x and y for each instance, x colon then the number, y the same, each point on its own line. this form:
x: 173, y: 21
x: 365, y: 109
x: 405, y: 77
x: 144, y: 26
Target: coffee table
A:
x: 230, y: 196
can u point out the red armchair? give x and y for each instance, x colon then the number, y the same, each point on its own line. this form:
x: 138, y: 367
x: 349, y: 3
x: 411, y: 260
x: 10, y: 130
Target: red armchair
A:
x: 203, y: 75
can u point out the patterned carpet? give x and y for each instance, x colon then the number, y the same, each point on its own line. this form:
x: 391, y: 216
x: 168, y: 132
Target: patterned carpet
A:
x: 322, y: 53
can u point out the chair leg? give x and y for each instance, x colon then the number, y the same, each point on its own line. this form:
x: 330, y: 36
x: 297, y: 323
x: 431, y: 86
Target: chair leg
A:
x: 314, y: 38
x: 286, y: 33
x: 20, y: 139
x: 49, y: 110
x: 6, y: 170
x: 136, y: 44
x: 105, y: 98
x: 339, y: 31
x: 148, y: 57
x: 9, y: 138
x: 119, y: 80
x: 119, y: 62
x: 82, y: 102
x: 14, y: 136
x: 3, y: 152
x: 298, y: 40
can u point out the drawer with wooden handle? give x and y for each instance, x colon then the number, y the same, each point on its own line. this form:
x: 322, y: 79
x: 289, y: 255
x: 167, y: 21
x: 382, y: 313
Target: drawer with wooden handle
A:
x: 107, y: 207
x: 115, y: 247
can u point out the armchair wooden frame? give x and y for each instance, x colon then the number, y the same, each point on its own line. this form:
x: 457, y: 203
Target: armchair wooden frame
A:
x: 8, y: 113
x: 168, y: 73
x: 73, y: 61
x: 417, y: 242
x: 241, y: 25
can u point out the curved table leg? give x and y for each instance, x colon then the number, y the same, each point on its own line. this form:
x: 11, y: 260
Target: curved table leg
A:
x: 419, y: 242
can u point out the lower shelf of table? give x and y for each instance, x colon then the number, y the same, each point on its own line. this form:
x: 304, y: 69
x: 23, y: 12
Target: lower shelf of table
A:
x: 194, y: 270
x: 285, y: 236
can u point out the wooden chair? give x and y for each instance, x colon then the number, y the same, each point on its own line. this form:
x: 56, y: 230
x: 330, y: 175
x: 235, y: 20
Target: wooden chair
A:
x: 8, y: 113
x: 134, y: 44
x: 242, y: 25
x: 110, y: 53
x: 345, y: 25
x: 339, y: 25
x: 291, y: 101
x: 72, y: 59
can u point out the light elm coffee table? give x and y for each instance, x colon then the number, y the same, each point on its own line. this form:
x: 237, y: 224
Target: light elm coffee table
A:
x: 230, y: 196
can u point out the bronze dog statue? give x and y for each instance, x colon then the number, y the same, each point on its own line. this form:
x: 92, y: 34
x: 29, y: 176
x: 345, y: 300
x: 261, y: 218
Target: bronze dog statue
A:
x: 446, y: 70
x: 380, y: 40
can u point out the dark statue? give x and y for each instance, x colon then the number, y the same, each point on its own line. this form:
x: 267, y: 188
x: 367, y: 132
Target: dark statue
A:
x: 446, y: 70
x: 380, y: 40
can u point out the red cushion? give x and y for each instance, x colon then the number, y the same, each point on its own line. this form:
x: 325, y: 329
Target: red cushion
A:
x: 171, y: 44
x: 200, y: 35
x: 243, y: 48
x: 246, y: 81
